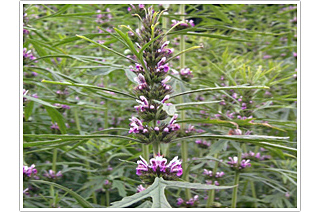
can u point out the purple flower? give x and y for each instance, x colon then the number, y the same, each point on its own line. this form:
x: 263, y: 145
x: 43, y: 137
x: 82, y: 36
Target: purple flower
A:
x: 165, y: 98
x: 190, y: 129
x: 140, y: 188
x: 244, y: 164
x: 158, y: 162
x: 186, y: 74
x: 193, y: 200
x: 180, y: 201
x: 233, y: 163
x: 206, y: 172
x: 203, y: 143
x: 136, y: 125
x: 55, y: 126
x: 287, y: 194
x: 267, y: 56
x: 186, y: 24
x: 142, y: 166
x: 158, y: 166
x: 175, y: 166
x: 52, y: 175
x: 219, y: 174
x: 30, y: 172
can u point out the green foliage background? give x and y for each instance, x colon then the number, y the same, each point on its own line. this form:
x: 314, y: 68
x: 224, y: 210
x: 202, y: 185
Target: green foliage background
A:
x: 249, y: 45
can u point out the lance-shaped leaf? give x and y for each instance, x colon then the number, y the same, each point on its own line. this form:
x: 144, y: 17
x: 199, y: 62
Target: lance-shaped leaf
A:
x: 72, y: 137
x: 103, y: 46
x: 248, y: 138
x: 88, y: 86
x: 184, y: 51
x: 180, y: 184
x: 76, y: 196
x: 219, y: 88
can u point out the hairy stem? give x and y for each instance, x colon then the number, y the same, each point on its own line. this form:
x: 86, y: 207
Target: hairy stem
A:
x: 107, y: 198
x: 156, y: 148
x: 184, y: 144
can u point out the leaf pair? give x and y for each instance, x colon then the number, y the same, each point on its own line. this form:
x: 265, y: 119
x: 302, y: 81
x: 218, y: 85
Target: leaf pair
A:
x: 156, y: 192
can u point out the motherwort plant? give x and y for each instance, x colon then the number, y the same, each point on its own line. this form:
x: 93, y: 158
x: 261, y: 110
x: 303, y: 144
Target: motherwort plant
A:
x: 153, y: 90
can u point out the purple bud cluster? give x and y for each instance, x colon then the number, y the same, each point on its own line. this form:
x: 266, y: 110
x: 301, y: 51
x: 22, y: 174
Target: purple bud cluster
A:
x: 30, y: 74
x: 148, y: 134
x: 193, y: 202
x: 233, y: 163
x: 184, y: 25
x: 186, y: 74
x: 158, y: 167
x: 52, y: 174
x: 55, y: 128
x: 203, y: 143
x: 61, y: 93
x: 210, y: 174
x: 243, y: 103
x: 288, y: 8
x: 25, y: 20
x: 25, y: 93
x: 136, y: 9
x: 190, y: 129
x: 255, y: 156
x: 61, y: 106
x: 103, y: 18
x: 106, y: 186
x: 30, y: 172
x: 28, y: 56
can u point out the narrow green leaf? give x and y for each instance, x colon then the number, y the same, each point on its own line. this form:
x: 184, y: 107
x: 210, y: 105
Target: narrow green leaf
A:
x: 28, y: 109
x: 195, y: 103
x: 71, y: 137
x: 76, y: 196
x: 88, y: 86
x: 179, y: 184
x: 220, y: 14
x: 58, y: 118
x: 103, y: 46
x: 219, y: 88
x: 184, y: 51
x: 244, y: 138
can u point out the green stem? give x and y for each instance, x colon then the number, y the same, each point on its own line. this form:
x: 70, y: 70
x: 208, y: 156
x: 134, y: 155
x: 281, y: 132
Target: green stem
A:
x: 76, y: 118
x: 156, y: 148
x: 102, y: 200
x: 54, y: 168
x: 89, y: 175
x: 236, y: 182
x: 245, y: 185
x: 253, y: 193
x: 211, y: 193
x: 184, y: 144
x: 107, y: 198
x: 235, y: 190
x: 145, y: 151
